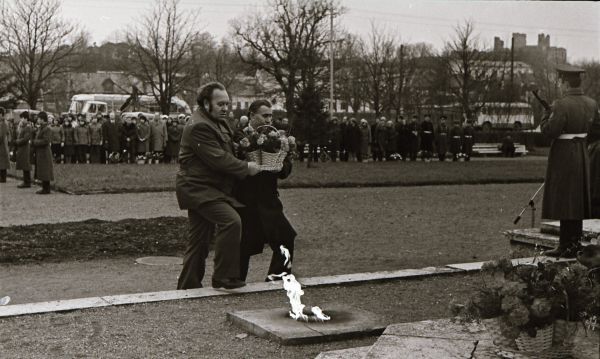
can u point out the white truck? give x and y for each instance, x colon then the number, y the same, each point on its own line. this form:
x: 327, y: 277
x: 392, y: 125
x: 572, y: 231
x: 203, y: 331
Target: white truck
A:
x: 91, y: 104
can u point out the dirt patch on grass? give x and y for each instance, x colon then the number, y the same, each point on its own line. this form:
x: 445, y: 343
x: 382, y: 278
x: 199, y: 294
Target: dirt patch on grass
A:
x: 198, y: 328
x: 92, y: 239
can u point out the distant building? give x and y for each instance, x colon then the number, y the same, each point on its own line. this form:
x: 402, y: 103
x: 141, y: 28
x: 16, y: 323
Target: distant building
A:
x: 556, y: 55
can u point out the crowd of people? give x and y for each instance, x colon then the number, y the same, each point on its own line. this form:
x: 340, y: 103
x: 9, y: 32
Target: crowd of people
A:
x: 388, y: 140
x: 106, y: 138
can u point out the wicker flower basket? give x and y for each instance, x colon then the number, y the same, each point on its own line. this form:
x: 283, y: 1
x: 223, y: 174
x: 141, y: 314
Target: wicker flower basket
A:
x: 541, y: 342
x: 268, y: 161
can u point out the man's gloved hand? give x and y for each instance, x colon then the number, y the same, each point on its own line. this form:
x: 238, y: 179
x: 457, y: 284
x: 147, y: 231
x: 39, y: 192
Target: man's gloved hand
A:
x: 253, y: 168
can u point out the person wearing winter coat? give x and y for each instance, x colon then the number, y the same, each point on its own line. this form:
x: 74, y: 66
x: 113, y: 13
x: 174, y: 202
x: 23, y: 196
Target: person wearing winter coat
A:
x: 441, y: 139
x: 22, y: 143
x: 95, y: 129
x: 353, y: 136
x: 4, y: 156
x: 365, y: 139
x: 143, y: 136
x: 173, y: 140
x: 158, y: 137
x: 82, y: 141
x: 57, y: 140
x: 111, y: 136
x: 43, y: 154
x: 69, y: 141
x: 129, y: 141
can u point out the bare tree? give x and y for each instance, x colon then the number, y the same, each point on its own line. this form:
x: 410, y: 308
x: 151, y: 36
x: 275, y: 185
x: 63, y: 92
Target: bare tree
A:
x: 289, y: 42
x: 350, y: 73
x: 161, y: 45
x: 473, y: 71
x: 591, y: 80
x: 38, y: 44
x: 379, y: 55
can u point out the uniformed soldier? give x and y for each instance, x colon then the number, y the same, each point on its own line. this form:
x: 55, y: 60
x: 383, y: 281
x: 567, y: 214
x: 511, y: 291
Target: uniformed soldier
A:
x: 441, y: 139
x: 427, y: 137
x: 456, y: 140
x: 43, y: 154
x: 22, y: 149
x: 468, y: 140
x: 567, y: 186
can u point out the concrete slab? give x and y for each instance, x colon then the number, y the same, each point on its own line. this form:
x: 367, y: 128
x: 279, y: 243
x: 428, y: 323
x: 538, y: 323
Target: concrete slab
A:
x: 442, y: 328
x: 591, y: 227
x: 351, y: 353
x: 375, y: 276
x: 160, y: 261
x: 346, y: 322
x: 532, y: 236
x: 392, y: 347
x: 54, y: 306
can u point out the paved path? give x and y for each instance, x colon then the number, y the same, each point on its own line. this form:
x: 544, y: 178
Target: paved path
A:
x: 23, y: 206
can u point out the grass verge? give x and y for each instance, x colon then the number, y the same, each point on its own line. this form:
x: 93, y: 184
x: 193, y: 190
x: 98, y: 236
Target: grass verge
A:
x: 124, y: 178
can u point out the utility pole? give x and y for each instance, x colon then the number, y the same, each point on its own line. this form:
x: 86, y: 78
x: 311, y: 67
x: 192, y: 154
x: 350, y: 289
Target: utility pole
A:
x: 512, y: 67
x: 331, y: 99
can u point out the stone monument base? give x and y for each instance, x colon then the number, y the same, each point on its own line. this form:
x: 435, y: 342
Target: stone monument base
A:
x: 346, y: 322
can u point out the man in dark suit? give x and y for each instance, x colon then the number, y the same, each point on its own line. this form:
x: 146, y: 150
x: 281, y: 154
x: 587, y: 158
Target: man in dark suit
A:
x: 204, y: 186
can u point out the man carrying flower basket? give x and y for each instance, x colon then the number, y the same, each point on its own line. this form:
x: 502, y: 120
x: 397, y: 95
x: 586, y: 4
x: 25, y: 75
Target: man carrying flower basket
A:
x: 263, y: 220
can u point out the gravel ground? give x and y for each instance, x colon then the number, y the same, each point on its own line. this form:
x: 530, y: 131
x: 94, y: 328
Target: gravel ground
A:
x: 198, y: 329
x: 23, y: 206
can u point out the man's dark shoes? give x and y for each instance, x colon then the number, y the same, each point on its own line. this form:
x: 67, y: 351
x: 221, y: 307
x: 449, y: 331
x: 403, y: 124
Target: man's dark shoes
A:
x: 564, y: 252
x: 42, y: 191
x: 24, y: 185
x: 228, y: 283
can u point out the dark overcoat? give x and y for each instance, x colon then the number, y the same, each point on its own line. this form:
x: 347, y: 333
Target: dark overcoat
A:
x: 143, y: 137
x: 263, y: 220
x: 111, y: 135
x: 468, y: 140
x: 208, y: 167
x: 129, y: 137
x: 594, y: 151
x: 427, y: 136
x: 441, y: 139
x: 455, y: 139
x: 4, y: 160
x: 365, y: 139
x: 69, y: 136
x: 567, y: 186
x: 412, y: 143
x: 158, y: 135
x: 173, y: 140
x: 43, y: 154
x: 22, y: 144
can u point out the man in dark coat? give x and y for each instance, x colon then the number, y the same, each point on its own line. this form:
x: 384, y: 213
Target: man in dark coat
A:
x: 427, y: 137
x: 456, y: 140
x: 263, y: 220
x: 413, y: 139
x: 567, y: 186
x: 403, y: 138
x: 441, y: 139
x: 23, y: 148
x: 204, y: 187
x: 468, y: 140
x: 111, y: 136
x: 344, y: 139
x: 334, y: 137
x: 43, y: 154
x: 4, y: 160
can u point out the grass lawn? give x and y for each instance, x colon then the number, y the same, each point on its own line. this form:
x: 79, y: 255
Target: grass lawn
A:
x: 86, y: 179
x: 341, y: 230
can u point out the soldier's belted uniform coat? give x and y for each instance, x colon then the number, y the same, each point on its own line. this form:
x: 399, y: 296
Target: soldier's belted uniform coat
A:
x: 22, y: 145
x: 43, y: 154
x: 567, y: 188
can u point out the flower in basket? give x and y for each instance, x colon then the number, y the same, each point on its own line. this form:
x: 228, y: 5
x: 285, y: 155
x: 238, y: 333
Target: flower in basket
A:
x: 261, y: 139
x: 245, y: 142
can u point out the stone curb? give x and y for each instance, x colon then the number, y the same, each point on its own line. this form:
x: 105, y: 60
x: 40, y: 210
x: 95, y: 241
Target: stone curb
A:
x: 149, y: 297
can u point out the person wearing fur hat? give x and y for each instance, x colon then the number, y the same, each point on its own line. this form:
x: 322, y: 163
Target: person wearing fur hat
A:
x: 43, y: 154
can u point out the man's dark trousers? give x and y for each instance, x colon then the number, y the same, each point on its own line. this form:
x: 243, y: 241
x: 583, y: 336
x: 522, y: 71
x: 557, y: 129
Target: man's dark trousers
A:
x: 227, y: 243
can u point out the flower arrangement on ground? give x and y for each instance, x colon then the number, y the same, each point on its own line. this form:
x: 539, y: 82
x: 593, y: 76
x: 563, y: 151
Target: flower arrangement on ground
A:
x: 531, y: 298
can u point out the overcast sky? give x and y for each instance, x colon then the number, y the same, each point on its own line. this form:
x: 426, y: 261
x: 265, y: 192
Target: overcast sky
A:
x: 573, y: 25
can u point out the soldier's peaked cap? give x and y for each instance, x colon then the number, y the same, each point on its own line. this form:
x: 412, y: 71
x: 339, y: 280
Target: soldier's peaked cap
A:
x: 569, y: 69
